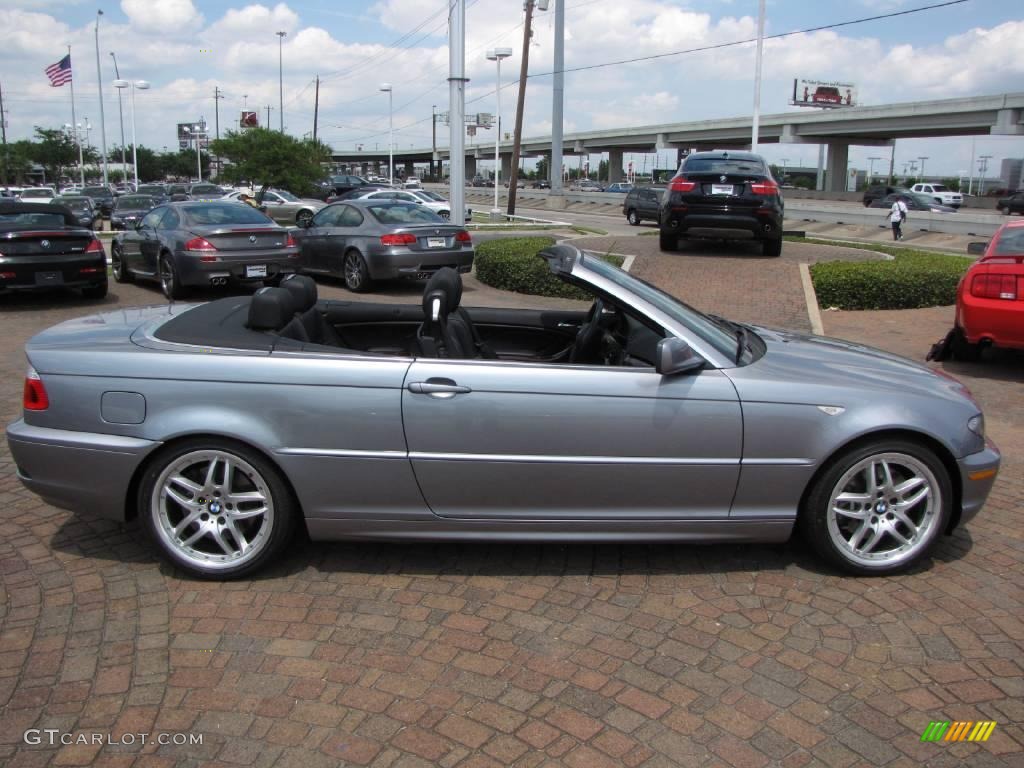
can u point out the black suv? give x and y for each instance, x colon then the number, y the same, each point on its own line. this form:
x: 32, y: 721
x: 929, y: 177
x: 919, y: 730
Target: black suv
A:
x: 726, y: 195
x: 339, y: 185
x: 878, y: 191
x: 642, y: 203
x: 102, y: 198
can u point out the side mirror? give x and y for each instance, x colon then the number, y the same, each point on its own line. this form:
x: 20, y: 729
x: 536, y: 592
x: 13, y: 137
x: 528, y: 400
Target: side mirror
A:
x: 676, y: 356
x: 977, y: 248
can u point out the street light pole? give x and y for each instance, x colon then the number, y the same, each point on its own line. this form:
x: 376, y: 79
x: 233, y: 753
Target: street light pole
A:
x: 141, y: 85
x: 496, y: 55
x: 982, y: 170
x: 871, y: 169
x: 386, y: 87
x: 120, y: 114
x: 757, y: 76
x: 280, y: 78
x: 922, y: 159
x: 99, y: 82
x: 456, y: 110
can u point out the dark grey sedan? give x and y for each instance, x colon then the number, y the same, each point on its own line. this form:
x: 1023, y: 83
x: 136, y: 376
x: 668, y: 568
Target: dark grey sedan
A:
x: 128, y: 209
x: 367, y: 240
x: 194, y: 244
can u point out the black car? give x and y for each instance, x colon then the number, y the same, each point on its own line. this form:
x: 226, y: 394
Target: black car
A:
x: 915, y: 201
x: 880, y: 191
x: 177, y: 193
x: 642, y: 204
x: 1012, y: 204
x: 83, y: 209
x: 357, y: 192
x: 726, y: 195
x: 44, y: 246
x: 204, y: 243
x: 541, y: 184
x: 336, y: 186
x: 102, y: 198
x: 157, y: 191
x: 128, y: 209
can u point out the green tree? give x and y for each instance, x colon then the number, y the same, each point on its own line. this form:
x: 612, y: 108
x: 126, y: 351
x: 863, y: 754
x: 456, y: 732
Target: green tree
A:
x: 54, y: 150
x: 16, y: 162
x: 151, y: 167
x: 542, y: 168
x: 953, y: 184
x: 271, y: 159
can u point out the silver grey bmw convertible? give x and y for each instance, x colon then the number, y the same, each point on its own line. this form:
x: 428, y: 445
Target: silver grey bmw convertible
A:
x: 225, y: 426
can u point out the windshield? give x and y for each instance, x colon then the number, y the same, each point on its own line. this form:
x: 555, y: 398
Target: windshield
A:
x: 285, y: 195
x: 217, y: 214
x: 206, y: 189
x: 151, y: 190
x: 177, y: 189
x: 74, y: 203
x: 939, y: 188
x: 134, y: 202
x: 31, y: 219
x: 723, y: 340
x: 403, y: 213
x: 40, y: 192
x: 428, y: 195
x: 97, y: 192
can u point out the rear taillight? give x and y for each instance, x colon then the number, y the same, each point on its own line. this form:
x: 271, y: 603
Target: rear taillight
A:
x: 290, y: 242
x: 994, y: 287
x: 90, y: 270
x: 95, y: 246
x: 463, y: 237
x: 199, y: 244
x: 766, y: 187
x: 401, y: 239
x: 682, y: 185
x: 8, y: 275
x: 35, y: 397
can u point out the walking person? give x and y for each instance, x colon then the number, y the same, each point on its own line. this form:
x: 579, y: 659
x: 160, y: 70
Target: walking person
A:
x: 897, y: 215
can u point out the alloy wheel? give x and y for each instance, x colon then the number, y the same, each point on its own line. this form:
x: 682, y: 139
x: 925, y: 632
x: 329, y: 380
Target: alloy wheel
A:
x: 353, y: 271
x: 302, y: 218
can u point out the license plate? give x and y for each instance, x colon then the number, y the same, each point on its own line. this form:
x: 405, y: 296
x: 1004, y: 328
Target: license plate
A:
x: 436, y: 242
x: 721, y: 189
x: 256, y: 270
x: 49, y: 278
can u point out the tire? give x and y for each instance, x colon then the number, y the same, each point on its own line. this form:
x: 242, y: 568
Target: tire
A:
x: 633, y: 218
x: 897, y: 528
x: 169, y: 282
x: 302, y: 217
x: 962, y: 349
x: 178, y: 477
x: 355, y: 272
x: 667, y: 242
x: 117, y: 265
x: 95, y: 291
x: 772, y: 247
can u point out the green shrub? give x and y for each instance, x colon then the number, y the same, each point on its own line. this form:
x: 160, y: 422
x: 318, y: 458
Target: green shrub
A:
x: 911, y: 280
x: 512, y: 264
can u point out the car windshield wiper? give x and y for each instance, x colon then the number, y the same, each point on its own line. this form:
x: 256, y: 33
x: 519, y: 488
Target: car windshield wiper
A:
x: 741, y: 341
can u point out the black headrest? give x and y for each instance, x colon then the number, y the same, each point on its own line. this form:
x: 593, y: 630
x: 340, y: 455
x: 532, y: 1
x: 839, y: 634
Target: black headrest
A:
x: 303, y: 291
x: 449, y: 282
x: 271, y: 309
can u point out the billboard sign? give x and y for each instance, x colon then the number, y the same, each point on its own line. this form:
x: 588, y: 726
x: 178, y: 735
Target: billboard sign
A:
x: 821, y: 93
x: 248, y: 120
x: 187, y: 139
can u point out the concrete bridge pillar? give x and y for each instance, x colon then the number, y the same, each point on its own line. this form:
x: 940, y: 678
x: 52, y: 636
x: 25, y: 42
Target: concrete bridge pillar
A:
x: 410, y: 169
x: 470, y: 166
x: 614, y: 165
x: 364, y: 168
x: 506, y: 168
x: 835, y: 166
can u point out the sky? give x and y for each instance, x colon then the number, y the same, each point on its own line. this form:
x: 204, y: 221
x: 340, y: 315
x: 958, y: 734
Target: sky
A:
x: 187, y: 48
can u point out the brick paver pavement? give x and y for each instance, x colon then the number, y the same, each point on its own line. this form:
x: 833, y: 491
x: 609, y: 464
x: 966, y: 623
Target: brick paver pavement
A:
x: 527, y: 655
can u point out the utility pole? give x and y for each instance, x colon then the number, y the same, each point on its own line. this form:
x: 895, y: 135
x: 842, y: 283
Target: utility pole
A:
x: 3, y: 134
x: 517, y: 139
x: 316, y: 107
x: 280, y: 78
x: 433, y: 138
x: 217, y: 96
x: 268, y: 115
x: 99, y: 85
x: 120, y: 114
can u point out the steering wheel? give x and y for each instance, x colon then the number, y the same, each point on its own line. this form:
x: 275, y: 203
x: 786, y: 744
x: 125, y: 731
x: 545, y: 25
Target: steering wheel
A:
x: 587, y: 347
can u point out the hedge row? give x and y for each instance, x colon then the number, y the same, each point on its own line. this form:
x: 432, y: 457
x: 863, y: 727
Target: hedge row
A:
x: 512, y: 264
x: 911, y: 280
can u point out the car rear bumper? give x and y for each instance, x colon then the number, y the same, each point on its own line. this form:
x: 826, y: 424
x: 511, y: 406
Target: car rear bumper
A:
x: 757, y: 224
x: 80, y: 471
x: 75, y: 271
x: 977, y: 476
x: 418, y: 264
x: 996, y: 321
x: 234, y: 267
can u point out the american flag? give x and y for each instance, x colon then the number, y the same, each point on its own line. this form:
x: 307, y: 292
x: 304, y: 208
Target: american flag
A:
x: 60, y: 72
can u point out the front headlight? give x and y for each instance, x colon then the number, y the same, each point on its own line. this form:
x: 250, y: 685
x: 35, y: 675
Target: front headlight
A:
x: 976, y: 424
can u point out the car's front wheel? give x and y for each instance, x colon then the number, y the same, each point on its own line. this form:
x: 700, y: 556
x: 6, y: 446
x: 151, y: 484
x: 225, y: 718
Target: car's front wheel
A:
x: 633, y: 217
x: 357, y: 276
x: 215, y: 508
x: 303, y: 217
x: 117, y: 265
x: 878, y: 507
x: 169, y: 281
x: 772, y: 247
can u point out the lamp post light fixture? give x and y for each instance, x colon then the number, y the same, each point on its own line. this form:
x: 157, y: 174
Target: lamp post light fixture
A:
x: 496, y: 55
x: 386, y: 87
x: 197, y: 130
x: 280, y: 78
x: 76, y: 132
x: 141, y: 85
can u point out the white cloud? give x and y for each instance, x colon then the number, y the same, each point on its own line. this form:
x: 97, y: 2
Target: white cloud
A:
x: 162, y: 16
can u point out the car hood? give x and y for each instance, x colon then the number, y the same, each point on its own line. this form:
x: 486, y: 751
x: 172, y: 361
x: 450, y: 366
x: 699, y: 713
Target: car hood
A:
x: 821, y: 370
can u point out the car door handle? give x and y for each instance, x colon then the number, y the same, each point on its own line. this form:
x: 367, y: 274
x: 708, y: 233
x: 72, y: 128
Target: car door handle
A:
x: 442, y: 389
x: 568, y: 325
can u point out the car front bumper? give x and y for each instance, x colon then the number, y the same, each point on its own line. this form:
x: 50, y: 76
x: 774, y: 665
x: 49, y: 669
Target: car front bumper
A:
x: 978, y: 473
x: 80, y: 471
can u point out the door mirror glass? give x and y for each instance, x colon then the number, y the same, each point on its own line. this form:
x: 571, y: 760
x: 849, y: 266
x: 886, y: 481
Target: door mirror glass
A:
x: 676, y: 356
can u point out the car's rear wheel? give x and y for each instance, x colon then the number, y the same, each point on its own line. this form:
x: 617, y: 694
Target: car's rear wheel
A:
x: 633, y: 218
x: 170, y: 284
x: 357, y: 276
x: 878, y: 507
x: 772, y: 247
x: 303, y: 217
x: 216, y: 508
x: 95, y: 291
x: 667, y: 242
x: 962, y: 349
x: 117, y: 266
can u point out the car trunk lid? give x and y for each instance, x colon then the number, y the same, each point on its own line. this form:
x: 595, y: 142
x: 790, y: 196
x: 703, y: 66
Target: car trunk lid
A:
x: 44, y: 242
x: 243, y: 238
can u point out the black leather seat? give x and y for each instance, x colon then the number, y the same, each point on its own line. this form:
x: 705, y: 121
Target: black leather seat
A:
x: 303, y: 291
x: 447, y: 329
x: 273, y: 310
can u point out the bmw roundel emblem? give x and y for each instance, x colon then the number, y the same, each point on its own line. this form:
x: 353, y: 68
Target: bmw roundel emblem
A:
x: 252, y: 238
x: 44, y: 243
x: 721, y: 178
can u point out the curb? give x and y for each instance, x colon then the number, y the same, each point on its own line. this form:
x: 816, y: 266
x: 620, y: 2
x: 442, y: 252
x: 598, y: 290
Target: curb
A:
x: 811, y: 299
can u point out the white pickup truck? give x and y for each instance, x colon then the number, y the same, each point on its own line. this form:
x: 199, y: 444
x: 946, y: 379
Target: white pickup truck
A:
x: 941, y: 194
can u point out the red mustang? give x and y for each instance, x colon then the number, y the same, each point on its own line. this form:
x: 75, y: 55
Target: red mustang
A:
x: 990, y: 297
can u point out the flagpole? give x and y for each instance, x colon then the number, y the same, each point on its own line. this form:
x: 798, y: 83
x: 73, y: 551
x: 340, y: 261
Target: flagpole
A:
x: 74, y: 125
x: 99, y: 81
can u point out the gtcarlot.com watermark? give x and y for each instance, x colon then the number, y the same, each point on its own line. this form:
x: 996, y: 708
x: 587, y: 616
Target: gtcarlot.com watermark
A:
x: 54, y: 737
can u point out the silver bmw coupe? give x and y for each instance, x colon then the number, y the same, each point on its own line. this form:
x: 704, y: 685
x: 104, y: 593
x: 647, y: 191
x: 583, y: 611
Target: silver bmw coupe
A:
x: 225, y: 426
